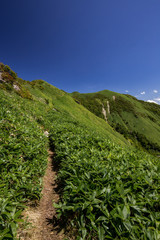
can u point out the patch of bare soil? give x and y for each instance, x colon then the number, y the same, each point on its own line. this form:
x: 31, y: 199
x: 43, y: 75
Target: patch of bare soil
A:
x: 41, y: 217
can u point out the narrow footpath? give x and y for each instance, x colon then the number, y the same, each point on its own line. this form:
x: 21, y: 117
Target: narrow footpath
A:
x: 41, y: 216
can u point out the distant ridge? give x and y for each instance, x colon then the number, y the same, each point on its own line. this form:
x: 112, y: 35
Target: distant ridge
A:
x: 138, y: 121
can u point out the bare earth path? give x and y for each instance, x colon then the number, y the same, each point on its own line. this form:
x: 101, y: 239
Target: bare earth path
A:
x: 41, y: 216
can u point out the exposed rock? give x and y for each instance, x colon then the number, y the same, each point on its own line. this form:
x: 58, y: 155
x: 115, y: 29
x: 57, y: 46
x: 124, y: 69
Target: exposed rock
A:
x: 1, y: 79
x: 108, y: 107
x: 16, y: 87
x: 104, y: 112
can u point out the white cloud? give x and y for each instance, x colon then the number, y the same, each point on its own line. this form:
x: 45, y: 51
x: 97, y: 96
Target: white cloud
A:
x: 157, y: 99
x: 155, y: 91
x: 142, y: 93
x: 126, y: 91
x: 151, y: 101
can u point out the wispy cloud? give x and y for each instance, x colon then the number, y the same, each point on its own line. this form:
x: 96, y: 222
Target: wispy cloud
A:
x: 126, y: 91
x: 157, y: 99
x: 155, y: 91
x: 143, y: 93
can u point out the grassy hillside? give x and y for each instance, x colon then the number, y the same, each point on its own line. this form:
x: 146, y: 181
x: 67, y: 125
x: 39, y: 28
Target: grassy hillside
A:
x: 109, y: 190
x: 138, y: 121
x: 63, y: 103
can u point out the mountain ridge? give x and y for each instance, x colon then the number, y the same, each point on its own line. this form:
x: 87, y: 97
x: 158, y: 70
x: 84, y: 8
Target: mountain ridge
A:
x: 137, y: 120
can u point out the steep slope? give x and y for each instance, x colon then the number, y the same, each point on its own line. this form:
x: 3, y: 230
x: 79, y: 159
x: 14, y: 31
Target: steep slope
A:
x: 62, y: 102
x: 138, y: 121
x: 27, y: 110
x: 46, y: 96
x: 108, y: 189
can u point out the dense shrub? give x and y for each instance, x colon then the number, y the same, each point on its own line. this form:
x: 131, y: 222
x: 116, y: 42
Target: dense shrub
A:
x: 23, y: 159
x: 108, y: 192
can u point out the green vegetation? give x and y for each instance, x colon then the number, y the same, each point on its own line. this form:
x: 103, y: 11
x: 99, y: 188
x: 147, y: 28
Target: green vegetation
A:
x: 138, y: 121
x: 23, y: 145
x: 109, y: 190
x: 23, y: 157
x: 12, y: 83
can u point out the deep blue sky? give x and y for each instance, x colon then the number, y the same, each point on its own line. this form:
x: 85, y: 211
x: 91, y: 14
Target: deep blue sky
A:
x: 84, y: 45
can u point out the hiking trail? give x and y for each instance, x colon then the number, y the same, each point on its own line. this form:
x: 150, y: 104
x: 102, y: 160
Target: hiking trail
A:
x: 41, y: 216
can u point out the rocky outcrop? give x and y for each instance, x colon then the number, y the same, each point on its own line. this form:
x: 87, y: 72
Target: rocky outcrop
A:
x: 104, y: 113
x: 108, y: 107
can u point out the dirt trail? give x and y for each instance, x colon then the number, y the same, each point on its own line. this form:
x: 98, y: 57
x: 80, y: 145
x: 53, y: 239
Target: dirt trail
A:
x: 41, y: 217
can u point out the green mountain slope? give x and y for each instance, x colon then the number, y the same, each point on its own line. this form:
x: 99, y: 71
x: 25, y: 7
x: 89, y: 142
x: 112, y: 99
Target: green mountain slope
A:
x: 138, y: 121
x: 39, y: 91
x: 109, y: 189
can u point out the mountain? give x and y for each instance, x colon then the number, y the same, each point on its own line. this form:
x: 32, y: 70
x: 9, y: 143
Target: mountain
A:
x: 136, y: 120
x: 108, y: 188
x: 43, y: 94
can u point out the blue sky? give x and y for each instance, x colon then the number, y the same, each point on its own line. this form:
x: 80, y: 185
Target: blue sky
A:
x: 85, y: 45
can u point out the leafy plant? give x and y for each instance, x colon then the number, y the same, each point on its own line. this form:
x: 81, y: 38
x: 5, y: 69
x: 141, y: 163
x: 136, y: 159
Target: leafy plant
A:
x: 23, y: 159
x: 109, y: 192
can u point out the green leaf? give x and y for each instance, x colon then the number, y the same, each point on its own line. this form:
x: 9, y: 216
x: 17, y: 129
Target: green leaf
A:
x: 126, y: 212
x: 101, y: 233
x: 4, y: 233
x: 14, y: 228
x: 101, y: 218
x: 84, y: 233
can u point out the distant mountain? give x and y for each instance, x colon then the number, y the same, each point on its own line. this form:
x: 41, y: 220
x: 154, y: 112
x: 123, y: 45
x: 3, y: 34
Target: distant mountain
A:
x: 138, y: 121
